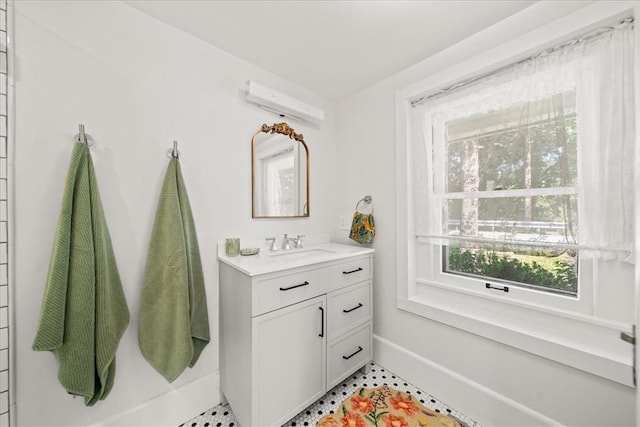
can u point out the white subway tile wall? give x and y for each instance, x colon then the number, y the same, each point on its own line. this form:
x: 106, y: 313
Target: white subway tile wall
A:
x: 4, y: 235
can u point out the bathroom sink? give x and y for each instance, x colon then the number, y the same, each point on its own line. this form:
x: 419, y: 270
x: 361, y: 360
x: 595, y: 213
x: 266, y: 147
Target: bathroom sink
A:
x: 301, y: 253
x: 270, y: 262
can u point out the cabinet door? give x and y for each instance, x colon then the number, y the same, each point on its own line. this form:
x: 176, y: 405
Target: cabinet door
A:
x: 289, y: 360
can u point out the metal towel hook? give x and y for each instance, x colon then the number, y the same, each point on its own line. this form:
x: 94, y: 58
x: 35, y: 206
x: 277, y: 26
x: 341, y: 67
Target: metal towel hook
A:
x: 82, y: 137
x: 174, y: 153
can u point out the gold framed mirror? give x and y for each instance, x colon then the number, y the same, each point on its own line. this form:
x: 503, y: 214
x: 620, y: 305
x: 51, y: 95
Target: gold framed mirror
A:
x: 279, y: 173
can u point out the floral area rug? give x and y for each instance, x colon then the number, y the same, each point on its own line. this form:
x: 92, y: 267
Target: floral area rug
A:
x: 384, y: 407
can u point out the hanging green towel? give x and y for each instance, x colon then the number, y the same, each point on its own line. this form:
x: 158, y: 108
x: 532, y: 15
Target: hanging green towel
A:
x: 84, y: 311
x: 363, y: 228
x: 174, y: 323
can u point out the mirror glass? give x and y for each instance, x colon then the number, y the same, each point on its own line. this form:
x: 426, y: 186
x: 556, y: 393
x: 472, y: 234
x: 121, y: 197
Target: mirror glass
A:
x: 280, y: 172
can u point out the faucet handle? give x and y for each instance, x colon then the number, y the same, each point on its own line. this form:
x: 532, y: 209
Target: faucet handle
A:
x: 273, y: 246
x: 298, y: 241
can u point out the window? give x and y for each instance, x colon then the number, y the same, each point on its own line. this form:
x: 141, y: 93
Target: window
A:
x: 510, y: 195
x: 509, y: 198
x: 520, y: 193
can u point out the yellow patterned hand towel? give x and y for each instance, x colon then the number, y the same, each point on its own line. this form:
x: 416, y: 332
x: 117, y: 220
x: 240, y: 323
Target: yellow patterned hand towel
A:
x: 174, y: 323
x: 84, y: 311
x: 363, y: 228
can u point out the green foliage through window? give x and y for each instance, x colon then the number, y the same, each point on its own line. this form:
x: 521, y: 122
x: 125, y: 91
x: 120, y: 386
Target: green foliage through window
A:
x: 553, y: 273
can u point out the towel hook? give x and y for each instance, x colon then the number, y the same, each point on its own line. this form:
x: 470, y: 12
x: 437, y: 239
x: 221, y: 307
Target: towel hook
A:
x: 83, y: 137
x: 174, y: 153
x: 366, y: 200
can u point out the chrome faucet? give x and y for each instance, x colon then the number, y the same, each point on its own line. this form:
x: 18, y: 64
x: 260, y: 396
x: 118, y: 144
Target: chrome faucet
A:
x: 291, y: 242
x: 286, y: 242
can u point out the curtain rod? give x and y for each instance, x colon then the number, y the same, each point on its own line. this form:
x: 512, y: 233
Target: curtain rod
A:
x: 582, y: 38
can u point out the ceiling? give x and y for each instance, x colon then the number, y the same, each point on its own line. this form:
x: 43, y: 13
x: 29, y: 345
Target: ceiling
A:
x: 333, y: 48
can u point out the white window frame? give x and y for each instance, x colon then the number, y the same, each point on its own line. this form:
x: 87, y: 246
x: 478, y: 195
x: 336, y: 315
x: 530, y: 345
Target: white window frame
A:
x: 569, y: 335
x: 434, y: 274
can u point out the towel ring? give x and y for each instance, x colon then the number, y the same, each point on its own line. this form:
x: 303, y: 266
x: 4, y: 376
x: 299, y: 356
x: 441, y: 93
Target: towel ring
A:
x: 366, y: 200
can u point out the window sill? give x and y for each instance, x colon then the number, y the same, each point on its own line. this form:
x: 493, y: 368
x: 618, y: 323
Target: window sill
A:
x: 588, y: 344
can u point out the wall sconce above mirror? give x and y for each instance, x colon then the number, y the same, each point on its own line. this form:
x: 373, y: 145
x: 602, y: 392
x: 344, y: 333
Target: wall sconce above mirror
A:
x: 283, y: 105
x: 279, y: 173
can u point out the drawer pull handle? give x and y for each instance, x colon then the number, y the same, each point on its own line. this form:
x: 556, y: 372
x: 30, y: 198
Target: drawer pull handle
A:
x: 321, y: 334
x: 352, y: 354
x: 295, y: 286
x: 352, y: 271
x: 354, y: 308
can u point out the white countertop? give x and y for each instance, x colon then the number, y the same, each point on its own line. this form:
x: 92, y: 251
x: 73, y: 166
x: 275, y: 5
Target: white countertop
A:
x: 270, y: 262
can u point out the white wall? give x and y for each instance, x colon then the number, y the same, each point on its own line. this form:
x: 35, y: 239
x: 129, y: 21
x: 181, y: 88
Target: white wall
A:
x: 493, y: 383
x: 137, y: 84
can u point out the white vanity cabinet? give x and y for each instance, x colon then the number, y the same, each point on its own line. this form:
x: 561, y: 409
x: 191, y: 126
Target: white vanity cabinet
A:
x: 290, y: 334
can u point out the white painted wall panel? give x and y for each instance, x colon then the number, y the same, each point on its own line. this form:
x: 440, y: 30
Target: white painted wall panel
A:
x: 367, y: 132
x: 137, y: 84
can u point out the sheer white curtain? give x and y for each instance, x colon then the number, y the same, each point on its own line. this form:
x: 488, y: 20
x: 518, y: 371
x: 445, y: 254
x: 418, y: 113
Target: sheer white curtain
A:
x: 547, y: 143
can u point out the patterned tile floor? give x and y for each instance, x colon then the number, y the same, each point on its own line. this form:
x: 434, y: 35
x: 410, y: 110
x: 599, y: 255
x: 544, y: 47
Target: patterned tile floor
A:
x: 222, y: 415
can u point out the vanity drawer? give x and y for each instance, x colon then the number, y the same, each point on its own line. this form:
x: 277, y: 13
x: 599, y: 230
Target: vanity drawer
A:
x: 347, y: 308
x: 276, y: 292
x: 350, y: 272
x: 348, y: 354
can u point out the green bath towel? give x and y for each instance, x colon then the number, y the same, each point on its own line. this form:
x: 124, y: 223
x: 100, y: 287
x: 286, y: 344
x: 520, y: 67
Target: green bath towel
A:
x: 84, y: 311
x: 174, y: 323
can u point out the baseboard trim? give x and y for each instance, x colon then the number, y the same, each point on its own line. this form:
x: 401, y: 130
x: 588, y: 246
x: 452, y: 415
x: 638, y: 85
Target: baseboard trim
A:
x: 482, y: 404
x: 172, y: 408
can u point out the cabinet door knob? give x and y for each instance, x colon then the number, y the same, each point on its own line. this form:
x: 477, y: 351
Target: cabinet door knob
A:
x: 295, y: 286
x: 321, y: 334
x: 352, y: 271
x: 354, y: 308
x: 352, y: 354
